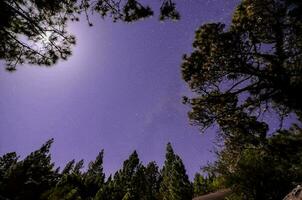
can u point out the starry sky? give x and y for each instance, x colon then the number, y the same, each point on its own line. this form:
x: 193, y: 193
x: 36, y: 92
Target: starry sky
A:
x: 120, y: 91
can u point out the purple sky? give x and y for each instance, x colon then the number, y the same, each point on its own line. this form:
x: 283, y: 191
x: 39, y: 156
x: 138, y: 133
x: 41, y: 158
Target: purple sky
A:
x: 121, y: 90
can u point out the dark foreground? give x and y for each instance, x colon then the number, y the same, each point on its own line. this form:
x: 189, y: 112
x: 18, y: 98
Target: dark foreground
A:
x: 219, y: 195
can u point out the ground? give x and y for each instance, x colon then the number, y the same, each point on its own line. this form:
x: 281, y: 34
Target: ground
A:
x: 219, y: 195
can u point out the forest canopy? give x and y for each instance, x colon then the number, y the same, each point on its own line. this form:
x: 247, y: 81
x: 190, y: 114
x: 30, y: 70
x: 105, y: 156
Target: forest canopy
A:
x: 35, y: 177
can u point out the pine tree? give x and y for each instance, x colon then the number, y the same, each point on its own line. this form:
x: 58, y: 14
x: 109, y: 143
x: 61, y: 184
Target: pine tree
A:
x: 68, y: 167
x: 240, y: 73
x: 251, y: 68
x: 152, y: 181
x: 31, y: 177
x: 199, y: 185
x: 35, y: 178
x: 108, y: 191
x: 129, y: 181
x: 70, y: 184
x: 75, y: 184
x: 175, y: 183
x: 265, y: 172
x: 7, y: 163
x: 94, y: 178
x: 206, y: 184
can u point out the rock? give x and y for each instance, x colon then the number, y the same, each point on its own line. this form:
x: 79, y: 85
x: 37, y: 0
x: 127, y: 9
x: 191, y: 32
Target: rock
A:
x: 296, y: 194
x: 219, y: 195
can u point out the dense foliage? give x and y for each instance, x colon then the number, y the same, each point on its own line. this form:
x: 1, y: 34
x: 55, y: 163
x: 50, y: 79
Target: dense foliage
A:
x: 249, y: 68
x: 35, y: 177
x: 175, y: 183
x: 239, y: 74
x: 206, y: 184
x: 34, y: 31
x: 268, y: 171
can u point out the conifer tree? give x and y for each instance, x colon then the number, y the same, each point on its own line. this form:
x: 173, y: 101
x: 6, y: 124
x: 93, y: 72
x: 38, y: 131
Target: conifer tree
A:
x: 94, y: 177
x: 265, y: 172
x: 75, y: 184
x: 129, y: 181
x: 68, y: 167
x: 152, y: 181
x: 199, y: 185
x: 35, y: 178
x: 175, y: 183
x: 69, y: 185
x: 29, y: 178
x: 108, y: 191
x: 208, y: 183
x: 7, y: 163
x: 242, y: 72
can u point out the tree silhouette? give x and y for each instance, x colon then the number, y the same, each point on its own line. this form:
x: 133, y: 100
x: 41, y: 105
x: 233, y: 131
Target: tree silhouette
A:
x: 238, y: 74
x: 206, y: 184
x: 75, y: 184
x: 152, y: 181
x: 248, y: 69
x: 29, y: 178
x: 34, y: 31
x: 94, y: 178
x: 130, y: 180
x: 175, y: 184
x: 267, y: 171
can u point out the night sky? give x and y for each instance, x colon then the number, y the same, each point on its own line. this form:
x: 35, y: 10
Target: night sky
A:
x: 120, y: 91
